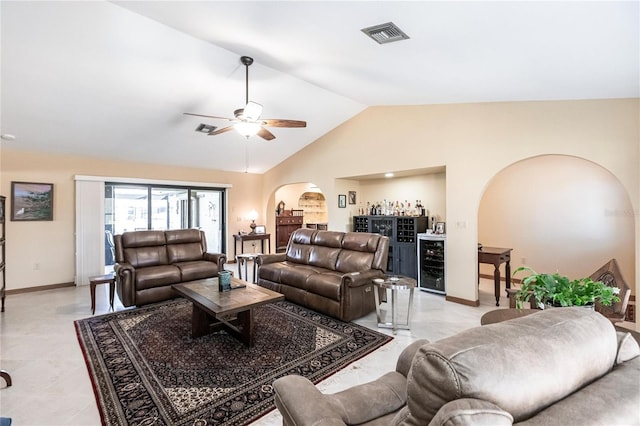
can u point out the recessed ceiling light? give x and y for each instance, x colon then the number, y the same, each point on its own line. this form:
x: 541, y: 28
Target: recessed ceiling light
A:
x: 388, y: 175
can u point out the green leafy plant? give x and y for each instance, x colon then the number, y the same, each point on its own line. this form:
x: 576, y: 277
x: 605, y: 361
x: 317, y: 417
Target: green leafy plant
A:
x: 558, y: 290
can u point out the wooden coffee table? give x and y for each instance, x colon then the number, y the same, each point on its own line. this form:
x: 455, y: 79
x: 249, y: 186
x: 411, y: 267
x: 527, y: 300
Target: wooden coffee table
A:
x: 232, y: 309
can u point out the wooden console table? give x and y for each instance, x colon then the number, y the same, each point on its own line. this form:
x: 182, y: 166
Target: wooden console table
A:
x: 496, y: 256
x: 250, y: 237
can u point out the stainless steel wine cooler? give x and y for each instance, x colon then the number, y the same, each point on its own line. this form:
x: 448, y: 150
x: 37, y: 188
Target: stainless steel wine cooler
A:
x: 431, y: 262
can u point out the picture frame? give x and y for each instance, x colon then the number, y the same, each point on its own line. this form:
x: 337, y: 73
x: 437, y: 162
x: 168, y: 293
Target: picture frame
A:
x: 440, y: 228
x: 352, y: 197
x: 261, y: 229
x: 342, y: 201
x: 31, y: 201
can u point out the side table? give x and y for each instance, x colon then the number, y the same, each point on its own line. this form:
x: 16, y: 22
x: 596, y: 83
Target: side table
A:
x: 242, y: 260
x: 102, y: 279
x: 394, y: 283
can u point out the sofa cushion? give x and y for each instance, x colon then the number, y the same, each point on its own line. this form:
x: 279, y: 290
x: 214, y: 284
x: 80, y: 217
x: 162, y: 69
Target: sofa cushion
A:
x: 184, y: 252
x: 143, y: 239
x: 142, y: 257
x: 325, y: 284
x: 181, y: 236
x: 327, y: 239
x: 156, y: 276
x: 522, y: 365
x: 610, y: 400
x: 197, y: 270
x: 353, y: 261
x: 296, y: 276
x: 324, y: 257
x: 298, y: 253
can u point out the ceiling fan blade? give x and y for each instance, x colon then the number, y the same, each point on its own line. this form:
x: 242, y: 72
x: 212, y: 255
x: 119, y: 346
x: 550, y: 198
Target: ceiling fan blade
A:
x: 209, y: 116
x: 277, y: 122
x: 252, y: 111
x: 265, y: 134
x: 223, y: 130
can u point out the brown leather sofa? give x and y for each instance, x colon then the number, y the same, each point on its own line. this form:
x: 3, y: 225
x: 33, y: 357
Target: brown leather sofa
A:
x: 564, y: 366
x: 327, y: 271
x: 149, y: 262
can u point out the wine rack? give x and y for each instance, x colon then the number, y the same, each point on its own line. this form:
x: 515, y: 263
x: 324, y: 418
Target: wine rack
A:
x: 402, y: 232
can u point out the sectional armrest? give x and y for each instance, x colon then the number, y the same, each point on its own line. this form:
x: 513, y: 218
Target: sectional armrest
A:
x: 263, y: 259
x: 125, y: 275
x: 218, y: 258
x: 301, y: 403
x: 357, y: 279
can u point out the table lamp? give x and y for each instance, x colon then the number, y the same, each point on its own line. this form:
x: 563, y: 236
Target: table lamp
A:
x: 253, y: 215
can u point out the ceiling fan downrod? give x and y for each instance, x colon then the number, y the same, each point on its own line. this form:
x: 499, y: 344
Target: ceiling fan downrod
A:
x: 246, y: 61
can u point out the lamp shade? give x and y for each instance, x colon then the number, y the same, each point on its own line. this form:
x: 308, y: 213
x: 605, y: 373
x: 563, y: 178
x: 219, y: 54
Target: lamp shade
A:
x: 247, y: 129
x: 253, y: 215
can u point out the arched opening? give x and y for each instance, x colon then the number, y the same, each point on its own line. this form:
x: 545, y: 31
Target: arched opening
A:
x: 298, y: 205
x: 558, y: 213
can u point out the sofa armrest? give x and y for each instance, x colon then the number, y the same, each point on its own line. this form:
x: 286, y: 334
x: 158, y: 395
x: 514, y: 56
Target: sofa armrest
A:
x: 263, y: 259
x: 125, y: 275
x: 357, y: 279
x: 301, y: 403
x: 218, y: 258
x: 471, y: 411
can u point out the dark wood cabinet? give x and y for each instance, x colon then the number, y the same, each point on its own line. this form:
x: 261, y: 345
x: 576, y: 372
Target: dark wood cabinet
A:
x: 285, y: 225
x: 2, y: 250
x: 402, y: 232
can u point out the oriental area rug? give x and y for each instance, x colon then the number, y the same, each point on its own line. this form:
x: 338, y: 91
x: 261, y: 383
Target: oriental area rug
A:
x: 146, y: 369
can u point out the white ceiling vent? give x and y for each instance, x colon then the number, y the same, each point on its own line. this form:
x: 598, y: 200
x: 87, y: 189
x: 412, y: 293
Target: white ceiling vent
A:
x: 385, y: 33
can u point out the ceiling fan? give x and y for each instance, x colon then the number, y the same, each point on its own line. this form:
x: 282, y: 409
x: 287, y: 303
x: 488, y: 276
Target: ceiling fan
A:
x: 247, y: 120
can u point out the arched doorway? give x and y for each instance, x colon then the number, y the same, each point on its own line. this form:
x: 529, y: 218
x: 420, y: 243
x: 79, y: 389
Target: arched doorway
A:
x: 558, y: 213
x: 298, y: 205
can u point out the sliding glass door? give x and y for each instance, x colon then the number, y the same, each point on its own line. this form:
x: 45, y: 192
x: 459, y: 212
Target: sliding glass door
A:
x: 133, y: 207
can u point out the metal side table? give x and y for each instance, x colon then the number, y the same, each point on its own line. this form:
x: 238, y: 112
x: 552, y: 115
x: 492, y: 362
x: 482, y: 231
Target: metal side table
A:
x: 394, y: 283
x: 242, y: 260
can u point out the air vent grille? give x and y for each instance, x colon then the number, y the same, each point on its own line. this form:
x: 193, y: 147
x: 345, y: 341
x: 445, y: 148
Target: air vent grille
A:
x: 385, y: 33
x: 205, y: 128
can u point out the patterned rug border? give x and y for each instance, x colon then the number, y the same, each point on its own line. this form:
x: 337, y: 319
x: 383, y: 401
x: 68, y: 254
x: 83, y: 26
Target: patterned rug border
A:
x: 110, y: 407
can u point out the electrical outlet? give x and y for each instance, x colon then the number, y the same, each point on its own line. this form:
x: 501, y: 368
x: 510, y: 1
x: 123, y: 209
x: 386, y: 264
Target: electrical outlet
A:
x: 461, y: 224
x: 523, y: 261
x: 36, y: 266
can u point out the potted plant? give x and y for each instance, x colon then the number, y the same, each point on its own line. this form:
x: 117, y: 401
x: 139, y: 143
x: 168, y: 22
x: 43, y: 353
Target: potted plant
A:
x: 558, y: 290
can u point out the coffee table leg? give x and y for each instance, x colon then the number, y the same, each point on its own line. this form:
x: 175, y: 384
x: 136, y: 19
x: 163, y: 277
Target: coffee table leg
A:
x: 245, y: 320
x: 200, y: 322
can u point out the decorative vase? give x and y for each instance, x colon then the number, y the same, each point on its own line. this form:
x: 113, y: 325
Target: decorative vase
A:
x: 224, y: 281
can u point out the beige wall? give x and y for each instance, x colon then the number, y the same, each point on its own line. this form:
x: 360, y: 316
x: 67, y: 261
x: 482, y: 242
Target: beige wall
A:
x: 51, y: 245
x: 544, y: 206
x: 474, y: 142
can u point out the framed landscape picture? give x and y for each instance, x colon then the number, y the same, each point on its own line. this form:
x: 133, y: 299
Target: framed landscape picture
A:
x: 31, y: 201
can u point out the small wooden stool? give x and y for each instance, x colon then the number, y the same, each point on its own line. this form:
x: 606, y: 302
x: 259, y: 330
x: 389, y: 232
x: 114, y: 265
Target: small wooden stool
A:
x: 102, y: 279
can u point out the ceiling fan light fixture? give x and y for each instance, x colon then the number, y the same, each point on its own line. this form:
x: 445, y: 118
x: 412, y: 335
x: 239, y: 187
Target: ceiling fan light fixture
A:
x: 247, y: 129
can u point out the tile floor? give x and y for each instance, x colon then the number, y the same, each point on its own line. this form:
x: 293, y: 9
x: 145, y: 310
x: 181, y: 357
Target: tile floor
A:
x: 51, y: 386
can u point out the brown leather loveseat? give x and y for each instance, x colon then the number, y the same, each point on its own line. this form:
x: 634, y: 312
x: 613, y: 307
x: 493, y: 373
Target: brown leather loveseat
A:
x: 327, y: 271
x: 149, y: 262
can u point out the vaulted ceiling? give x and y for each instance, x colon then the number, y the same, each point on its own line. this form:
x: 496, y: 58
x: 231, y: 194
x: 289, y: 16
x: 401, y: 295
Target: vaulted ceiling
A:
x: 112, y: 79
